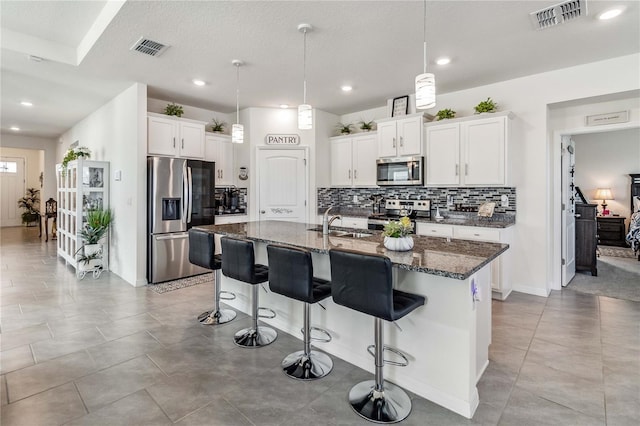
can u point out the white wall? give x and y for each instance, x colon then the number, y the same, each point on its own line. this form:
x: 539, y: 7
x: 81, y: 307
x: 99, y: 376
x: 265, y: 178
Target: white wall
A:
x: 604, y: 160
x: 117, y: 133
x: 48, y: 147
x: 532, y: 163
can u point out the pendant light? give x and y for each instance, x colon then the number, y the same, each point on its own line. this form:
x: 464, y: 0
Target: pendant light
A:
x: 305, y: 113
x: 237, y: 130
x: 425, y: 82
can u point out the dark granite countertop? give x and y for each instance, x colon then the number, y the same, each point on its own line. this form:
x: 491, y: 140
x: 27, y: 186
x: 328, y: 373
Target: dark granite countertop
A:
x: 451, y: 258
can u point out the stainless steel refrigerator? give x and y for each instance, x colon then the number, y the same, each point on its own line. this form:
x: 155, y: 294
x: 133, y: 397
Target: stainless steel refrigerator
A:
x: 180, y: 195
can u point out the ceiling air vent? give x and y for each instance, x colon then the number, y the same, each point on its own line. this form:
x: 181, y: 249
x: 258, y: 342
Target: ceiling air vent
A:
x: 149, y: 47
x: 558, y: 14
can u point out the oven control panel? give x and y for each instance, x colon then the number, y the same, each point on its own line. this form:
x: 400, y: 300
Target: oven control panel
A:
x: 411, y: 205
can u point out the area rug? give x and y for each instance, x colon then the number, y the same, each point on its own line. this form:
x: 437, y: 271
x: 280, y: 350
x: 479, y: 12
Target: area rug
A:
x: 181, y: 283
x: 616, y: 251
x: 618, y: 277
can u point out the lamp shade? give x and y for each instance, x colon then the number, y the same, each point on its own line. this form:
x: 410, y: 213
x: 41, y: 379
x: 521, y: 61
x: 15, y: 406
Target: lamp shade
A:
x: 425, y: 91
x: 604, y: 194
x: 237, y: 133
x: 305, y: 117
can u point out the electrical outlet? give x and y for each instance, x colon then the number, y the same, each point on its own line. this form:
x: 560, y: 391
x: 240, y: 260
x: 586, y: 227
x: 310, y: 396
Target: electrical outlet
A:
x: 355, y: 198
x: 504, y: 200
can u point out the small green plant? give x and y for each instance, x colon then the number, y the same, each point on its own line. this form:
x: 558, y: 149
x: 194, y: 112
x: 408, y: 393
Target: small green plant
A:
x: 486, y: 106
x: 74, y: 154
x: 217, y: 126
x: 31, y: 203
x: 445, y: 114
x: 366, y: 125
x: 86, y: 258
x: 399, y: 228
x: 345, y: 129
x: 98, y: 222
x: 174, y: 109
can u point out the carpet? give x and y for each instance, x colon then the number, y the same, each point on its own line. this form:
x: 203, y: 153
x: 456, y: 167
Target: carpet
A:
x: 616, y: 251
x: 618, y: 277
x: 181, y: 283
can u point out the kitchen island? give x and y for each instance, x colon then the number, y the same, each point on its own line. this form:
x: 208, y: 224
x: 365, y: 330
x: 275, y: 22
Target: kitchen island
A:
x: 446, y: 340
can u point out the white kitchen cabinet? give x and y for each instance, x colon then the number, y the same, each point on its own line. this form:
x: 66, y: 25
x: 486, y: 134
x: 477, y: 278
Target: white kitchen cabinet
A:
x: 175, y: 137
x: 353, y: 160
x: 400, y: 137
x: 500, y: 268
x: 219, y: 148
x: 469, y: 151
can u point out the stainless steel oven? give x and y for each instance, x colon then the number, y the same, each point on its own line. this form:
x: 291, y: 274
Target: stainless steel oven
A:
x: 400, y: 171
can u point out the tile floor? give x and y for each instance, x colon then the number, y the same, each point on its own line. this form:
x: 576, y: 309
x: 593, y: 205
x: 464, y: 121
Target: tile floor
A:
x: 100, y: 352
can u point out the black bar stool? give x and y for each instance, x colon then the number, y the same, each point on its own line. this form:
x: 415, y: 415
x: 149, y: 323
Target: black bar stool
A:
x: 364, y: 282
x: 202, y: 248
x: 291, y: 274
x: 238, y: 262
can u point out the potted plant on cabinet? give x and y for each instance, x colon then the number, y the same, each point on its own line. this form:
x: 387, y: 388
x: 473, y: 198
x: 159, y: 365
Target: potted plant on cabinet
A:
x: 345, y: 129
x: 74, y: 154
x: 217, y: 126
x: 31, y: 203
x: 98, y: 222
x: 174, y: 109
x: 486, y: 106
x: 445, y: 114
x: 366, y: 126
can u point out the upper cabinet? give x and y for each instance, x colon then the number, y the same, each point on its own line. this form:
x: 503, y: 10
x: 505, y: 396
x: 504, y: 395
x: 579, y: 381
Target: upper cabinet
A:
x: 468, y: 151
x: 400, y: 137
x: 175, y: 137
x: 219, y: 148
x: 353, y: 160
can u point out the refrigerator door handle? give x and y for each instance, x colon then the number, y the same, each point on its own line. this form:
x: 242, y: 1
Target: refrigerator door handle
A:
x: 185, y: 193
x: 190, y: 198
x: 173, y: 237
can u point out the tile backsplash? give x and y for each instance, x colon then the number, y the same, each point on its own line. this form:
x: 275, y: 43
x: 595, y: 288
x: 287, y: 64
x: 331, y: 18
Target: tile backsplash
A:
x: 467, y: 197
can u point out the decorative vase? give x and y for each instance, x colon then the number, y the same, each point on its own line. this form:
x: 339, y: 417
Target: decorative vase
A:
x: 91, y: 249
x: 398, y: 244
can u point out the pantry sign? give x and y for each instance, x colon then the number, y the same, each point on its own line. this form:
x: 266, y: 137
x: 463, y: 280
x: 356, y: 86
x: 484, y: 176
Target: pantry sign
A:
x: 282, y: 139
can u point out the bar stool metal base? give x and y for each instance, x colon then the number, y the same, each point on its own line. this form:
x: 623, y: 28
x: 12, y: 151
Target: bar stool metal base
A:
x: 391, y: 405
x: 311, y: 366
x: 216, y: 317
x: 253, y: 337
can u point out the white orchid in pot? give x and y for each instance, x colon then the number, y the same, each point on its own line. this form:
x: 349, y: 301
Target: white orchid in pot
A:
x: 397, y: 234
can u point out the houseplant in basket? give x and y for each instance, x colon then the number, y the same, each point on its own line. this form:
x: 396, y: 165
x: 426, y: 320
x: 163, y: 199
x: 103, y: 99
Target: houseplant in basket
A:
x: 396, y: 235
x: 98, y: 222
x: 31, y: 204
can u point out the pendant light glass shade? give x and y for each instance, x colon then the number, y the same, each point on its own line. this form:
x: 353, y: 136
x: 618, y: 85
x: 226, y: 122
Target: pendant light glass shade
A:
x: 425, y: 82
x: 305, y: 111
x: 237, y: 133
x: 425, y: 91
x: 305, y: 117
x: 237, y: 130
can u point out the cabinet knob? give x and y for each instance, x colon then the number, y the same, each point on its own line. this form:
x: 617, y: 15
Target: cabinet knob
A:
x: 394, y: 142
x: 355, y: 174
x: 577, y: 215
x: 401, y: 141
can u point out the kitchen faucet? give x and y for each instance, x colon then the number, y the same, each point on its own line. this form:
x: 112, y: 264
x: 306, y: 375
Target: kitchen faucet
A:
x: 326, y: 222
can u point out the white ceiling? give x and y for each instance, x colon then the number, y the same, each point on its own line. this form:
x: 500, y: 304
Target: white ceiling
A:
x: 376, y: 46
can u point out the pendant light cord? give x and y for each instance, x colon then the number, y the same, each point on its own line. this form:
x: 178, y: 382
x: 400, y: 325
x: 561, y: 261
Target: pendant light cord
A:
x: 304, y: 69
x: 424, y: 38
x: 238, y: 93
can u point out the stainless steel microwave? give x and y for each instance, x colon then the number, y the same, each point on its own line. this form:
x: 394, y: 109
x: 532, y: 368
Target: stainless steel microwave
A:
x: 400, y: 171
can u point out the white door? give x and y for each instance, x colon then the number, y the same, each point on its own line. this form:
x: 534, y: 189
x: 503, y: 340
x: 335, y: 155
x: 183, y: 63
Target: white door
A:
x: 282, y: 184
x: 568, y: 211
x: 12, y: 188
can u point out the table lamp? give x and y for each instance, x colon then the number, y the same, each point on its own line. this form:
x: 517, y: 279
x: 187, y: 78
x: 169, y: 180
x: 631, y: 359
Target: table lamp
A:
x: 604, y: 194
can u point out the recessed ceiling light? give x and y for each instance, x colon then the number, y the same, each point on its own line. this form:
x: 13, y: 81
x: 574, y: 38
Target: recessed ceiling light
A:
x: 443, y: 61
x: 26, y: 103
x: 611, y: 13
x: 198, y: 82
x: 284, y: 106
x: 346, y: 88
x: 15, y: 128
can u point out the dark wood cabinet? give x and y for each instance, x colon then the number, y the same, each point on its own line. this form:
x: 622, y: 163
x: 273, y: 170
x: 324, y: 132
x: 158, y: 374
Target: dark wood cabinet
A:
x: 586, y: 238
x: 611, y: 231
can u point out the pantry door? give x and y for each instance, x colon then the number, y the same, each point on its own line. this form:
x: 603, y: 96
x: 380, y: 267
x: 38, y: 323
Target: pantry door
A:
x: 12, y: 188
x: 282, y: 184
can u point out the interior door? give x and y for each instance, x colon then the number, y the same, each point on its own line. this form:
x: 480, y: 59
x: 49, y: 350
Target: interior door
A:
x: 12, y: 188
x: 282, y: 184
x: 568, y: 211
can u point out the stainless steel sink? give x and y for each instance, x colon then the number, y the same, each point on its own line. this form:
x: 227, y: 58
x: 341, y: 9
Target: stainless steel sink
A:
x: 341, y: 233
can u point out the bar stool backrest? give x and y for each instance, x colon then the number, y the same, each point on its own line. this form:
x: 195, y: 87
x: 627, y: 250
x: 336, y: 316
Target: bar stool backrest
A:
x: 202, y: 246
x: 238, y: 259
x: 363, y: 282
x: 291, y: 272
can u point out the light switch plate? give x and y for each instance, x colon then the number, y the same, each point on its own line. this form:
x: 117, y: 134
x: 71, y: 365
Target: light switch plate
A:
x: 504, y: 200
x: 117, y: 175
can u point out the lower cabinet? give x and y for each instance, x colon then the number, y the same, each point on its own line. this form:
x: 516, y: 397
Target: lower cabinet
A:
x: 500, y: 268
